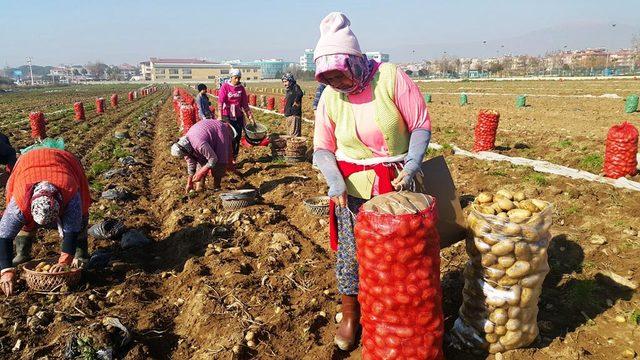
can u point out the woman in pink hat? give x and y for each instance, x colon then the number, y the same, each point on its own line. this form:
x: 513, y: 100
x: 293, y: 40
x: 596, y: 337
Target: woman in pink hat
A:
x: 371, y: 132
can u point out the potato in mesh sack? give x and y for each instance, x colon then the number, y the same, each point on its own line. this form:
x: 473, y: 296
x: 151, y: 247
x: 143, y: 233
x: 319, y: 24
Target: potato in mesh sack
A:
x: 507, y: 246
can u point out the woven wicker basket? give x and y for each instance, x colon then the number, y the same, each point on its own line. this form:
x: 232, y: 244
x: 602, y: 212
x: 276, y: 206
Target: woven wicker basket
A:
x: 318, y: 205
x: 237, y: 204
x: 238, y: 199
x: 47, y: 283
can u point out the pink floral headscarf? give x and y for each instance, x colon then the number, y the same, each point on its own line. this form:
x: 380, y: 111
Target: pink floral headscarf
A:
x: 357, y: 68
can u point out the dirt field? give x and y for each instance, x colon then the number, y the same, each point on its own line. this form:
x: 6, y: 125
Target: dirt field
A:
x: 211, y: 279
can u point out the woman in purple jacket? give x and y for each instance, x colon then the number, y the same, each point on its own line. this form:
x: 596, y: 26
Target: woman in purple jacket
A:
x: 207, y: 148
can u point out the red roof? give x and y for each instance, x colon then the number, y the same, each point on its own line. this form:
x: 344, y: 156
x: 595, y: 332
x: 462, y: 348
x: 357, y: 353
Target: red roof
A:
x: 180, y: 61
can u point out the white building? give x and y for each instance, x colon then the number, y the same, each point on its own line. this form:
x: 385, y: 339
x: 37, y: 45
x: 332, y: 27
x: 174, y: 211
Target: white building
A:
x: 145, y: 70
x: 306, y: 61
x: 377, y: 56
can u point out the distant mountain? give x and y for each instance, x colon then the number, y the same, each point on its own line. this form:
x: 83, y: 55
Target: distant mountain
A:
x: 573, y: 36
x: 37, y: 70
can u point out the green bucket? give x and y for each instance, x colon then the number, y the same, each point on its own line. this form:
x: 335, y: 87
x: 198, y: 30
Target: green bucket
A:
x: 631, y: 105
x: 521, y: 101
x: 46, y: 143
x: 463, y: 99
x: 427, y: 98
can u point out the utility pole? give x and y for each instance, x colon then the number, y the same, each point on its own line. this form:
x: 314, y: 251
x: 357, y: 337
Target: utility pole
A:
x: 30, y: 69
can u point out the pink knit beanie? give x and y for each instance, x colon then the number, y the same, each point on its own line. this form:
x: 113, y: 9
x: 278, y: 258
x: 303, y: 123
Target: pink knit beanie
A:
x: 336, y: 37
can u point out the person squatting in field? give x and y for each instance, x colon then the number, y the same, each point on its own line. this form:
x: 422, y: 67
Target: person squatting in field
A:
x: 7, y: 158
x: 207, y: 149
x: 47, y: 187
x: 202, y: 99
x: 293, y: 104
x: 232, y: 102
x: 371, y: 132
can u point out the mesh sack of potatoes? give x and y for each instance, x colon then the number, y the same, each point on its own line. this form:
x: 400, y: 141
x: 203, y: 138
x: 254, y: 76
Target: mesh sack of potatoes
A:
x: 507, y: 247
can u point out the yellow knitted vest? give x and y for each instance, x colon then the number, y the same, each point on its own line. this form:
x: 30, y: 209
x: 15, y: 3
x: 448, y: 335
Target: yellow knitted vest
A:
x: 387, y: 118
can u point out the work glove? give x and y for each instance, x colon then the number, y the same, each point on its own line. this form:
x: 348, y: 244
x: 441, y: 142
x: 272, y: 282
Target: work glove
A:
x: 200, y: 174
x: 418, y: 143
x: 7, y: 281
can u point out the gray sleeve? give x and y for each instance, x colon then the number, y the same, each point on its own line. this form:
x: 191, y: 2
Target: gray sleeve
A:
x: 418, y: 143
x: 12, y: 221
x: 326, y: 162
x: 191, y: 165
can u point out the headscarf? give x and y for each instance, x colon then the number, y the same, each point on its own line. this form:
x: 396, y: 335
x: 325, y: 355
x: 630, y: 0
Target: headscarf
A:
x: 289, y: 77
x: 182, y: 148
x: 45, y: 203
x: 235, y: 72
x: 357, y: 68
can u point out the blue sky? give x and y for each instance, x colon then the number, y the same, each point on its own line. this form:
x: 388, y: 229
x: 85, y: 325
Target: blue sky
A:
x: 118, y: 31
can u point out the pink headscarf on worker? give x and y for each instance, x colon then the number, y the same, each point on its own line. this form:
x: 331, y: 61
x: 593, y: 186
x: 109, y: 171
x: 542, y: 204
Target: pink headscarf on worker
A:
x: 338, y: 49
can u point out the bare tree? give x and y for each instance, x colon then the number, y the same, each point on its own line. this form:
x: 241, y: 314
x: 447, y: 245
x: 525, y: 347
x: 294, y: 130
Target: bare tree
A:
x: 97, y: 69
x: 635, y: 46
x: 114, y: 73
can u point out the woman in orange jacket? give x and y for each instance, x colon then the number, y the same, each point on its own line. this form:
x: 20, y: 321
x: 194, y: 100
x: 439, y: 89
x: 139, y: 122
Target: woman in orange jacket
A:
x: 47, y: 187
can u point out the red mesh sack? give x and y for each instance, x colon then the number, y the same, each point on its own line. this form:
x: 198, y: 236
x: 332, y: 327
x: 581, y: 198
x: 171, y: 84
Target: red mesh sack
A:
x: 99, y: 105
x: 114, y: 100
x: 399, y: 274
x: 620, y: 152
x: 37, y: 122
x: 486, y: 129
x: 176, y: 104
x: 283, y: 102
x: 130, y: 95
x: 271, y: 103
x: 179, y: 105
x: 253, y: 99
x: 78, y: 109
x: 187, y: 117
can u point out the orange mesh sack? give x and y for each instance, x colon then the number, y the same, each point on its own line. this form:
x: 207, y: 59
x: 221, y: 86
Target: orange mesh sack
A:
x: 621, y: 149
x: 399, y: 272
x: 486, y: 129
x: 37, y: 123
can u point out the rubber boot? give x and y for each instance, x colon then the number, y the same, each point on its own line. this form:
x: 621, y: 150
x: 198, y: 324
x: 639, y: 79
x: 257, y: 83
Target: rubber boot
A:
x: 347, y: 331
x: 23, y: 249
x: 82, y: 251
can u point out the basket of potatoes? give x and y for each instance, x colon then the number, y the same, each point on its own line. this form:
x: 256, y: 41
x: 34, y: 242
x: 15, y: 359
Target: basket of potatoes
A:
x: 507, y: 246
x: 39, y: 278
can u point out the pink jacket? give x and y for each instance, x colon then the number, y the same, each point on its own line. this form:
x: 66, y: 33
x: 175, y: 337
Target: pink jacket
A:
x: 232, y: 99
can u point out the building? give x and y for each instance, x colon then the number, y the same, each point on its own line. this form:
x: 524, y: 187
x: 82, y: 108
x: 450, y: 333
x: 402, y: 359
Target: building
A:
x: 127, y: 71
x: 168, y: 70
x: 306, y: 61
x: 626, y: 58
x: 273, y: 68
x: 145, y: 70
x: 378, y: 56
